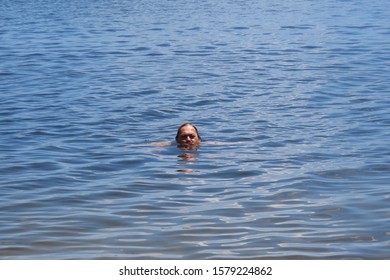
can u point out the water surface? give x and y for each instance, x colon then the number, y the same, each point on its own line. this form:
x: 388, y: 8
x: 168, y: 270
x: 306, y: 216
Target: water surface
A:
x: 296, y: 93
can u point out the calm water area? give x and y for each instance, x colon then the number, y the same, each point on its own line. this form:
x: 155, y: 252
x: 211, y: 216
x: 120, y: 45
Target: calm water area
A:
x: 291, y: 98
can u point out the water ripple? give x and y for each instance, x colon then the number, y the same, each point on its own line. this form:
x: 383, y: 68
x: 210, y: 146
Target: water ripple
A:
x: 294, y: 111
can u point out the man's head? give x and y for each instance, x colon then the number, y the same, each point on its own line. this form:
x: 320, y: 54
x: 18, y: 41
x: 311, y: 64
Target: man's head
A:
x: 187, y: 135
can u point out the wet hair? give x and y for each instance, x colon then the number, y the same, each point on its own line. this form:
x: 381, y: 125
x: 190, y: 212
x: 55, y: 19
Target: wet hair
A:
x: 183, y: 125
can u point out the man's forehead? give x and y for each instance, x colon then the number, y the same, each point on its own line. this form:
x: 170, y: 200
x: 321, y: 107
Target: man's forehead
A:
x: 187, y: 128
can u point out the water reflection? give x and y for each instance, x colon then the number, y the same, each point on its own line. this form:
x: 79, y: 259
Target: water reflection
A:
x: 189, y: 157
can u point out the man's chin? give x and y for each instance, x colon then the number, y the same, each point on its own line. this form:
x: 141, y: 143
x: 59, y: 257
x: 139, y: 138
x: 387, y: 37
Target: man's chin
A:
x: 188, y: 147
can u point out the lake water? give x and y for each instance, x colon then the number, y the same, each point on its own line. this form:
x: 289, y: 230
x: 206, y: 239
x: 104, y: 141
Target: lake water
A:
x: 295, y: 93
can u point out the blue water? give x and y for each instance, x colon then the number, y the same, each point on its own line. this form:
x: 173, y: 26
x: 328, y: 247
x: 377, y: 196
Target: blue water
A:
x: 292, y: 99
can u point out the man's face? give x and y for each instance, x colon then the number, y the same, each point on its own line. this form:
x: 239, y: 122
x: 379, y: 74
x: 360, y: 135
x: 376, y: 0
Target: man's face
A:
x: 188, y: 136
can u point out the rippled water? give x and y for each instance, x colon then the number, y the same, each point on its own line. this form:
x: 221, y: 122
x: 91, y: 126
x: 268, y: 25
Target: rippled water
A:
x: 295, y: 93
